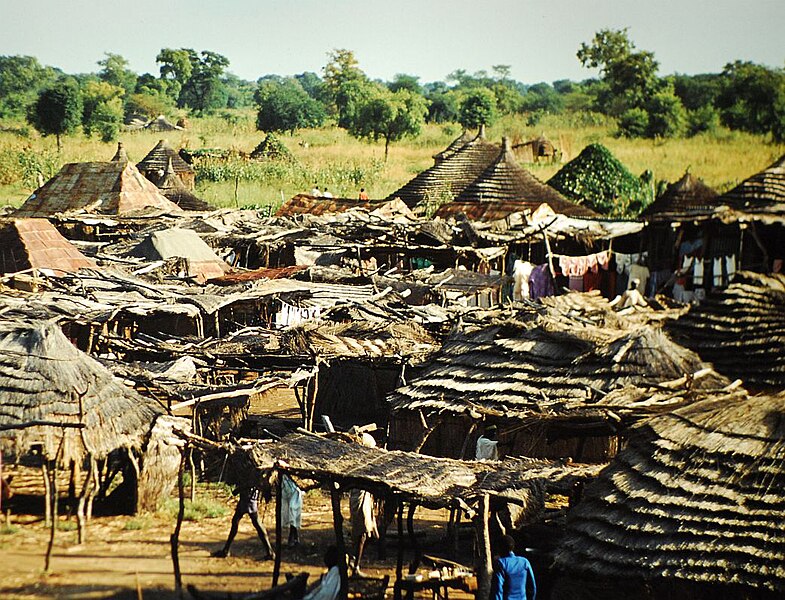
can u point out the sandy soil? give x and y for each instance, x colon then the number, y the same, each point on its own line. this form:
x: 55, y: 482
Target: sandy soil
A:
x: 116, y: 561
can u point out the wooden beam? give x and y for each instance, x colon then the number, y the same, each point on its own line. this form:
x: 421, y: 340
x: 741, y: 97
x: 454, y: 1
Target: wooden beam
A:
x: 278, y: 526
x: 483, y: 549
x: 335, y: 499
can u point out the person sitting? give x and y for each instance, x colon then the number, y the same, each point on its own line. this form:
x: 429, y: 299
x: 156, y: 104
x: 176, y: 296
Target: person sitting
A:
x: 487, y: 445
x: 363, y: 195
x: 326, y: 194
x: 316, y: 192
x: 329, y: 585
x: 513, y: 576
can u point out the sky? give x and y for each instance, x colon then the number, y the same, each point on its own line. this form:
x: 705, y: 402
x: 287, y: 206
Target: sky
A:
x: 426, y: 38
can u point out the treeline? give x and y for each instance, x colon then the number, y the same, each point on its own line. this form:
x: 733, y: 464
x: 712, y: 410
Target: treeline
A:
x: 744, y: 96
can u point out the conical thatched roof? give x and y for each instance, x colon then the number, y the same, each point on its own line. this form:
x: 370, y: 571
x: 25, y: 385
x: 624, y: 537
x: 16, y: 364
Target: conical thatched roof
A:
x: 271, y: 148
x: 545, y: 370
x: 458, y: 143
x: 697, y: 497
x: 114, y: 187
x: 173, y: 188
x: 161, y: 123
x: 449, y: 177
x: 689, y: 194
x: 505, y: 181
x: 43, y: 377
x: 764, y: 192
x: 741, y: 329
x: 157, y: 161
x: 36, y: 244
x: 597, y: 179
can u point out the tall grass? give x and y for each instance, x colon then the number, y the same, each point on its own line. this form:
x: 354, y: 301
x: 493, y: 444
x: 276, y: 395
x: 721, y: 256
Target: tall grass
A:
x: 330, y: 157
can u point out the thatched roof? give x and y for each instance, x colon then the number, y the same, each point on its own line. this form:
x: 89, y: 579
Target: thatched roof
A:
x: 550, y: 368
x: 43, y: 377
x: 113, y: 187
x: 432, y: 482
x: 271, y: 148
x: 697, y: 496
x: 450, y: 176
x: 202, y: 262
x: 762, y: 195
x: 36, y: 244
x: 740, y: 329
x: 458, y: 143
x: 158, y: 159
x: 175, y: 190
x: 688, y: 195
x: 161, y: 123
x: 506, y: 182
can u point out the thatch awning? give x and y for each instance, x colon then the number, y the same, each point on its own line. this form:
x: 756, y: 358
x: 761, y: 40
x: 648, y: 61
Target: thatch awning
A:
x: 432, y: 482
x: 697, y: 496
x: 44, y: 378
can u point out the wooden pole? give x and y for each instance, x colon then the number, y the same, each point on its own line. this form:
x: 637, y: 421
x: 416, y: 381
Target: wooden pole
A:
x: 174, y: 540
x: 278, y: 527
x: 80, y: 507
x: 53, y: 500
x: 335, y: 499
x: 399, y: 563
x: 47, y: 494
x: 483, y: 549
x: 415, y: 564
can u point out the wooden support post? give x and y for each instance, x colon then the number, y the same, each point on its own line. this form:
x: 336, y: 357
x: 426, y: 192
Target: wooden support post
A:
x: 415, y: 564
x: 278, y: 527
x: 94, y: 470
x: 53, y: 499
x: 47, y: 494
x: 399, y: 563
x: 312, y: 400
x: 483, y: 549
x: 457, y: 539
x: 80, y: 507
x: 335, y: 499
x: 174, y: 540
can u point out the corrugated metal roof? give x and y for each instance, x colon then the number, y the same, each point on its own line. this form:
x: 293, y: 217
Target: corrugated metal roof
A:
x: 36, y: 244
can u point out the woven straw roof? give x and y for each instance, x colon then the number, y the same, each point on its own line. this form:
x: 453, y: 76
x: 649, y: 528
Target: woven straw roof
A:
x: 450, y: 176
x: 36, y: 244
x: 43, y: 377
x: 764, y: 192
x: 174, y: 189
x: 696, y: 496
x: 689, y: 194
x: 112, y: 187
x: 741, y: 329
x: 159, y: 158
x: 430, y: 481
x: 505, y: 181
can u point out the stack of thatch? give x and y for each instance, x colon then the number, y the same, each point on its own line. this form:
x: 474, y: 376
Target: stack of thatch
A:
x: 64, y: 400
x: 271, y: 148
x: 692, y: 508
x: 741, y: 329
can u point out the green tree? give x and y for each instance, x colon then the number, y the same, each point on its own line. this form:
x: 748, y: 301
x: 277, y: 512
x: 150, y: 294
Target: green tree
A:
x: 114, y: 70
x: 58, y: 110
x: 285, y: 106
x: 21, y: 79
x: 667, y: 117
x: 346, y: 85
x: 204, y: 91
x: 477, y: 108
x: 753, y: 98
x: 176, y: 67
x: 390, y: 116
x: 402, y: 81
x: 102, y: 109
x: 631, y: 75
x: 634, y: 123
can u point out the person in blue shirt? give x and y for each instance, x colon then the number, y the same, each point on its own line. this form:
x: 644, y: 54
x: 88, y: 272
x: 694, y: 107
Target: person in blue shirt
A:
x: 513, y: 578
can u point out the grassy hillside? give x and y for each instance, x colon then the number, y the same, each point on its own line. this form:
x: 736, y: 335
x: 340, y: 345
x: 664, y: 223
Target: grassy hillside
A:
x: 330, y: 157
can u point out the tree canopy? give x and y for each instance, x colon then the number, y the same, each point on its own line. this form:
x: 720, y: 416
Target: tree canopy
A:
x: 285, y: 106
x: 58, y: 110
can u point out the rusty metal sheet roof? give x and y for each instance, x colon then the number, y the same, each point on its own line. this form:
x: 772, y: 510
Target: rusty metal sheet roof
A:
x: 36, y: 244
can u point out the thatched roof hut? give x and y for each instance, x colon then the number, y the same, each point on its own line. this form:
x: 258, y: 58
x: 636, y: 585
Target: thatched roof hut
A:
x: 688, y: 195
x: 63, y: 400
x: 692, y: 508
x: 115, y: 187
x: 506, y: 183
x: 540, y: 381
x: 740, y: 329
x: 761, y: 196
x: 36, y: 244
x: 449, y: 177
x: 458, y: 143
x: 161, y: 123
x: 154, y: 166
x: 539, y: 148
x: 171, y: 185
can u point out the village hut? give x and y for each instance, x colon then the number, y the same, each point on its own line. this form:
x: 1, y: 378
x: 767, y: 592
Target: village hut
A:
x: 171, y: 185
x: 688, y: 194
x: 458, y: 143
x: 199, y: 260
x: 34, y: 244
x: 70, y: 410
x: 536, y: 150
x: 271, y: 148
x: 154, y: 166
x: 161, y: 123
x: 446, y: 179
x: 506, y: 184
x: 539, y: 382
x: 740, y: 330
x: 692, y: 508
x: 115, y: 187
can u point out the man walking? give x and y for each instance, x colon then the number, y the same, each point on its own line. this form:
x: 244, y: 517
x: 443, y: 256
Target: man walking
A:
x: 247, y: 504
x: 513, y: 577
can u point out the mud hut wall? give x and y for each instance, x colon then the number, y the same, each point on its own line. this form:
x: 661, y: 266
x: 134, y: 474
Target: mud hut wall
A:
x: 534, y: 439
x: 353, y: 392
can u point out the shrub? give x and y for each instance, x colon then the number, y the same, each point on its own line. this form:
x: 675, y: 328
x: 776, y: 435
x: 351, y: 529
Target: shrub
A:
x: 634, y: 123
